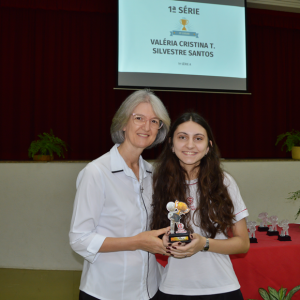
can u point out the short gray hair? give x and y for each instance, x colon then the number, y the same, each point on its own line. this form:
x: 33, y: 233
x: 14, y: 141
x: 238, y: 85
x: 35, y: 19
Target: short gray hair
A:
x: 124, y: 112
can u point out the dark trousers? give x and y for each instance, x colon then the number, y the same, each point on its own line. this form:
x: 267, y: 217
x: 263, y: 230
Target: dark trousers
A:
x: 85, y: 296
x: 235, y: 295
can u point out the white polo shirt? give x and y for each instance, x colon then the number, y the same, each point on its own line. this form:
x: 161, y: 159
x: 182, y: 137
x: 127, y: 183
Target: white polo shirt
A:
x: 204, y: 273
x: 109, y: 203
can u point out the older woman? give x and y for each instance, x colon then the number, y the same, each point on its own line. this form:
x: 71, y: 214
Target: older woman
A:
x: 113, y: 206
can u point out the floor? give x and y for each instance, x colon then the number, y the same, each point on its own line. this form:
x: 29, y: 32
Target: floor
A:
x: 20, y: 284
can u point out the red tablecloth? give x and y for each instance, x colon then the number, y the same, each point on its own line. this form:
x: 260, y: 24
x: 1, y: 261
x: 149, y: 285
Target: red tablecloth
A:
x: 268, y: 263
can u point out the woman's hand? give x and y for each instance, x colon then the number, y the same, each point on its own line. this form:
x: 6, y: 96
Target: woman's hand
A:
x: 239, y: 243
x: 165, y: 239
x: 182, y: 250
x: 149, y: 241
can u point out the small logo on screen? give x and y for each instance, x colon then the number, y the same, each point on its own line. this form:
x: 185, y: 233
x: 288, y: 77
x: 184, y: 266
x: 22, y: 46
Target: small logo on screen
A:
x: 184, y: 32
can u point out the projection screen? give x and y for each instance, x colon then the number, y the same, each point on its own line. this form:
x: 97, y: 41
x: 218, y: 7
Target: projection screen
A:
x: 182, y: 45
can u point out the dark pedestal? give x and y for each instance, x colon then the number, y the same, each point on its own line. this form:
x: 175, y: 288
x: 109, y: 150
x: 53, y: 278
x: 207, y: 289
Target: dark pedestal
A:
x: 253, y: 240
x: 179, y: 237
x: 285, y: 238
x: 272, y: 233
x: 266, y: 228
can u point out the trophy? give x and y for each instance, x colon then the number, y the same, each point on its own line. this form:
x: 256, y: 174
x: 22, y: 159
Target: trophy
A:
x: 273, y: 228
x: 251, y: 226
x: 176, y: 210
x: 184, y: 22
x: 284, y: 235
x: 264, y: 222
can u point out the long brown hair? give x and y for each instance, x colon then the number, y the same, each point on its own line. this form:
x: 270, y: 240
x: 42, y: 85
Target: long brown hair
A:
x: 214, y: 211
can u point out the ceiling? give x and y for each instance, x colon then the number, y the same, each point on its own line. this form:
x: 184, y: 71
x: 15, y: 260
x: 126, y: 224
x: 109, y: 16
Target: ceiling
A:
x: 280, y: 5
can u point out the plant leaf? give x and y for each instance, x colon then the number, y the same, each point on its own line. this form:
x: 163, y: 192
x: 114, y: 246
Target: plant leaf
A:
x: 292, y: 139
x: 280, y: 137
x: 273, y: 294
x: 292, y: 292
x: 47, y: 144
x: 281, y: 293
x: 295, y: 195
x: 264, y: 294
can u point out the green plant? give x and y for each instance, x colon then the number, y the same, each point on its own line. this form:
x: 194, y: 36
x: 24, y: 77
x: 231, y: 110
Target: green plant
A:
x: 280, y: 295
x: 292, y: 139
x: 47, y: 144
x: 295, y: 196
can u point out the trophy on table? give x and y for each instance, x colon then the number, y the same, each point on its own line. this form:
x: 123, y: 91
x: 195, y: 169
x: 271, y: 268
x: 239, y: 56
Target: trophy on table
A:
x: 176, y: 210
x: 251, y: 226
x: 273, y: 228
x: 284, y: 235
x: 264, y: 222
x: 184, y: 22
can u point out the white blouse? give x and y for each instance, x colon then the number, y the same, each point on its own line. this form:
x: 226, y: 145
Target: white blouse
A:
x: 111, y: 202
x: 204, y: 273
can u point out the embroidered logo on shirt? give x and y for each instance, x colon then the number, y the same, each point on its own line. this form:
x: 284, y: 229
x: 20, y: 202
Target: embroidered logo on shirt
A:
x: 190, y: 201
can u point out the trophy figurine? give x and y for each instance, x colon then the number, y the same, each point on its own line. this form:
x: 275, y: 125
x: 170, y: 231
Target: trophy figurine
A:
x: 264, y: 222
x: 176, y: 210
x: 184, y: 22
x: 273, y: 228
x: 251, y: 226
x: 284, y: 235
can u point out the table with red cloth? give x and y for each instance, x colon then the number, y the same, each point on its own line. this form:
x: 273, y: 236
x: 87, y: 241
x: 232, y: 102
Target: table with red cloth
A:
x: 268, y: 263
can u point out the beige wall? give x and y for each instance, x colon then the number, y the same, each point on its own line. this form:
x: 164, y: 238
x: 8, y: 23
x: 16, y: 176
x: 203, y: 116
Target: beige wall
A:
x: 36, y: 201
x: 264, y: 186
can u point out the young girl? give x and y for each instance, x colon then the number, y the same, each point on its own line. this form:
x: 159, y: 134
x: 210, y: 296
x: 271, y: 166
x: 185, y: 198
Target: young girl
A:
x: 189, y: 170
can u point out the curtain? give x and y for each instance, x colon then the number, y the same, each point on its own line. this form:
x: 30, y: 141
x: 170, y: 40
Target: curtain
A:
x: 58, y: 62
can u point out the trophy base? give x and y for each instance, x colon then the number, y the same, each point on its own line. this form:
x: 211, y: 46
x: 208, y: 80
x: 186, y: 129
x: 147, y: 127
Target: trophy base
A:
x: 272, y: 233
x: 265, y: 228
x: 285, y: 238
x: 179, y: 237
x: 253, y: 240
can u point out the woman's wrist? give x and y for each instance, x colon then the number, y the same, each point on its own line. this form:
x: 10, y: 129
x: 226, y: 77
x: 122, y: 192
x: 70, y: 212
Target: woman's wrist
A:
x: 139, y: 241
x: 202, y: 243
x: 135, y: 243
x: 206, y: 246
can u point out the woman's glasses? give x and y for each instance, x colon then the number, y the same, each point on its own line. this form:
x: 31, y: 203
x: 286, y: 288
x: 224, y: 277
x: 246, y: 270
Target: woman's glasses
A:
x: 155, y: 123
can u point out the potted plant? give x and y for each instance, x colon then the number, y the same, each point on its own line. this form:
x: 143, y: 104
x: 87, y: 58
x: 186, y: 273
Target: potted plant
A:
x: 280, y: 295
x: 44, y: 148
x: 292, y: 142
x: 295, y: 196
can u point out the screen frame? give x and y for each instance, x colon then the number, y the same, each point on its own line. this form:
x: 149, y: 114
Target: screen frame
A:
x: 193, y: 90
